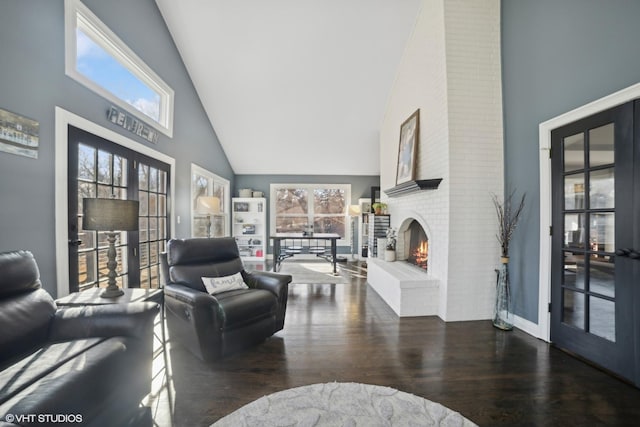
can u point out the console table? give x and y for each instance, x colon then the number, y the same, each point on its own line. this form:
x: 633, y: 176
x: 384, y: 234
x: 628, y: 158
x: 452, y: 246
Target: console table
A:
x: 92, y: 297
x: 279, y: 256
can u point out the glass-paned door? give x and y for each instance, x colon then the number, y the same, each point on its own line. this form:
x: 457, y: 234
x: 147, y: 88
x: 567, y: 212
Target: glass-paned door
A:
x: 152, y: 235
x: 101, y: 174
x: 101, y: 168
x: 592, y: 281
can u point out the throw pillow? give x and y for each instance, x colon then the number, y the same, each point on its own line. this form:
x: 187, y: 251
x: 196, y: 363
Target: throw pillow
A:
x: 215, y: 285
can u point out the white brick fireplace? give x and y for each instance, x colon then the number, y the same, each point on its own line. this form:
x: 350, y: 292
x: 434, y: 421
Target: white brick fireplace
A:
x: 451, y: 72
x: 407, y: 289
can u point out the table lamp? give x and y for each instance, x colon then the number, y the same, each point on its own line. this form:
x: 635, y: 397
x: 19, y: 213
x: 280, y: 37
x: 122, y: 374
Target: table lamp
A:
x: 208, y: 205
x: 112, y: 216
x: 354, y: 210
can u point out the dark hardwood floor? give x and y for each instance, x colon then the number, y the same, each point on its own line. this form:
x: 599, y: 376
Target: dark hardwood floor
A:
x: 346, y: 333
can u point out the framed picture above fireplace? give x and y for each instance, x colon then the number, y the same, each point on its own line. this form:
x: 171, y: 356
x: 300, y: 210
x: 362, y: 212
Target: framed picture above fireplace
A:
x: 407, y: 147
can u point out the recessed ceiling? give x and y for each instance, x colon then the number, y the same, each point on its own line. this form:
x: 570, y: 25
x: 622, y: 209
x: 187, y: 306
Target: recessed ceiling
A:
x: 294, y: 87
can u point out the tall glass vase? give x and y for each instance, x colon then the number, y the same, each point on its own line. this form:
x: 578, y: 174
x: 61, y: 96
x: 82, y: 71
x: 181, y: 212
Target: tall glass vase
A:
x: 502, y: 315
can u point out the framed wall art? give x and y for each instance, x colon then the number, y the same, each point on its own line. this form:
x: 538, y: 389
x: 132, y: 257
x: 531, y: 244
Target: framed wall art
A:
x: 409, y: 133
x: 19, y: 135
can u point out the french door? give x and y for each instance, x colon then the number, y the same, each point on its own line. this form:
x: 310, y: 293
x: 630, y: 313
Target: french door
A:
x: 595, y: 284
x: 101, y: 168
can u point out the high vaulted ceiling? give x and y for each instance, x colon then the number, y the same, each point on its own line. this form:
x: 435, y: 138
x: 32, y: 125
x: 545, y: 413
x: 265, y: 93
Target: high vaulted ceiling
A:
x: 294, y: 86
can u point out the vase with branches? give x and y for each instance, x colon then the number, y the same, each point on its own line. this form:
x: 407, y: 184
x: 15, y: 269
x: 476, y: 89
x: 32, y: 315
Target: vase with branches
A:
x: 508, y: 216
x: 508, y: 213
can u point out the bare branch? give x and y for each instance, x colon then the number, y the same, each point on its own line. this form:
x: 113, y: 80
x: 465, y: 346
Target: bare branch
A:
x: 508, y: 218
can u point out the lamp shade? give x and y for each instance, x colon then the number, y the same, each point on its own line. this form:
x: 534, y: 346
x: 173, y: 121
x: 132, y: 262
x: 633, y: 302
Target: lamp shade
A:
x: 207, y: 205
x: 110, y: 214
x: 354, y: 210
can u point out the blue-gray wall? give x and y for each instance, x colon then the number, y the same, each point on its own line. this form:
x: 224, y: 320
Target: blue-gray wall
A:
x: 556, y: 55
x: 360, y: 186
x: 33, y: 82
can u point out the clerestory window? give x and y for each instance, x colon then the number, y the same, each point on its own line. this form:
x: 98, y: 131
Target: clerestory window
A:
x: 98, y: 59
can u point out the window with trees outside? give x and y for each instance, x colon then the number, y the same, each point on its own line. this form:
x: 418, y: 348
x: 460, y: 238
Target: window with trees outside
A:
x: 294, y: 207
x: 207, y: 184
x: 98, y: 167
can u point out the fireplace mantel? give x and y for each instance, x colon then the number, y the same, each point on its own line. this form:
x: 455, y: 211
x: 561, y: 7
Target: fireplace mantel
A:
x: 413, y: 186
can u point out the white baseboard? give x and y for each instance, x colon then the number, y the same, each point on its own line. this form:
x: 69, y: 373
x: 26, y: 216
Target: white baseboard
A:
x: 528, y: 326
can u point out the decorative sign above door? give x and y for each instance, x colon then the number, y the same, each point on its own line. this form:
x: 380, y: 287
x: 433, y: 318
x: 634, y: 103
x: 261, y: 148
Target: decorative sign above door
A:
x: 130, y: 123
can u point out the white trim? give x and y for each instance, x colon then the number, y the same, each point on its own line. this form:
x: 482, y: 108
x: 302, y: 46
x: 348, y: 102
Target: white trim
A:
x: 525, y: 325
x: 195, y: 169
x: 545, y: 128
x: 79, y: 15
x: 63, y: 120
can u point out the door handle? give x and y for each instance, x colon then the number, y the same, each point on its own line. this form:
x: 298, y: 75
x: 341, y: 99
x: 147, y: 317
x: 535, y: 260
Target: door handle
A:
x: 75, y: 242
x: 628, y: 252
x: 623, y: 252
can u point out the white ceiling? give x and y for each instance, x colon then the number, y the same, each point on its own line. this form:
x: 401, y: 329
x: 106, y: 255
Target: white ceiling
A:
x: 294, y: 86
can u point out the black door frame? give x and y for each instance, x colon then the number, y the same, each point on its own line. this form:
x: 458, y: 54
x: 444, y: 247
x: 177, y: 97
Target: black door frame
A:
x: 618, y: 357
x: 636, y: 234
x: 134, y: 157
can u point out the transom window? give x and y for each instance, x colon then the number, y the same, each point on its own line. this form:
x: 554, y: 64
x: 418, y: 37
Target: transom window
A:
x: 98, y: 59
x: 296, y: 207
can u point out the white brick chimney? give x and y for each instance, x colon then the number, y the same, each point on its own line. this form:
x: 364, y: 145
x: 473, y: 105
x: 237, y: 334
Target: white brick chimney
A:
x: 451, y: 72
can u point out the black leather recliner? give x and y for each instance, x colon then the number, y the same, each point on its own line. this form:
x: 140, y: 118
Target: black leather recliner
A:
x: 213, y: 326
x: 89, y: 363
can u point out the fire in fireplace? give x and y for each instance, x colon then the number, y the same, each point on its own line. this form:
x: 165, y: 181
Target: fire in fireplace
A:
x: 418, y: 245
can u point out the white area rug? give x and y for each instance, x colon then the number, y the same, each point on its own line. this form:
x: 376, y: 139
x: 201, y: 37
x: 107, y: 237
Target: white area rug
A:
x: 312, y: 272
x: 343, y: 404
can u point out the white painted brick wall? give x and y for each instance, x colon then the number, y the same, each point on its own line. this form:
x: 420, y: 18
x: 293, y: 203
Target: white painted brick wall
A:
x: 451, y: 71
x: 421, y: 83
x: 472, y: 34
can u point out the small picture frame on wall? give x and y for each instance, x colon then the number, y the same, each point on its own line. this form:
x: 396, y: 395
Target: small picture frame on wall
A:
x: 19, y: 135
x: 409, y: 136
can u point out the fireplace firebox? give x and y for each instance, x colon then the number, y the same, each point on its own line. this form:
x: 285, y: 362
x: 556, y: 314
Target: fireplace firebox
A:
x: 418, y: 253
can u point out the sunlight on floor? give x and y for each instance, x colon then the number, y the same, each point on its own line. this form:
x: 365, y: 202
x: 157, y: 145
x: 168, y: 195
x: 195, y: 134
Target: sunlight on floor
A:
x: 161, y: 400
x: 357, y: 271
